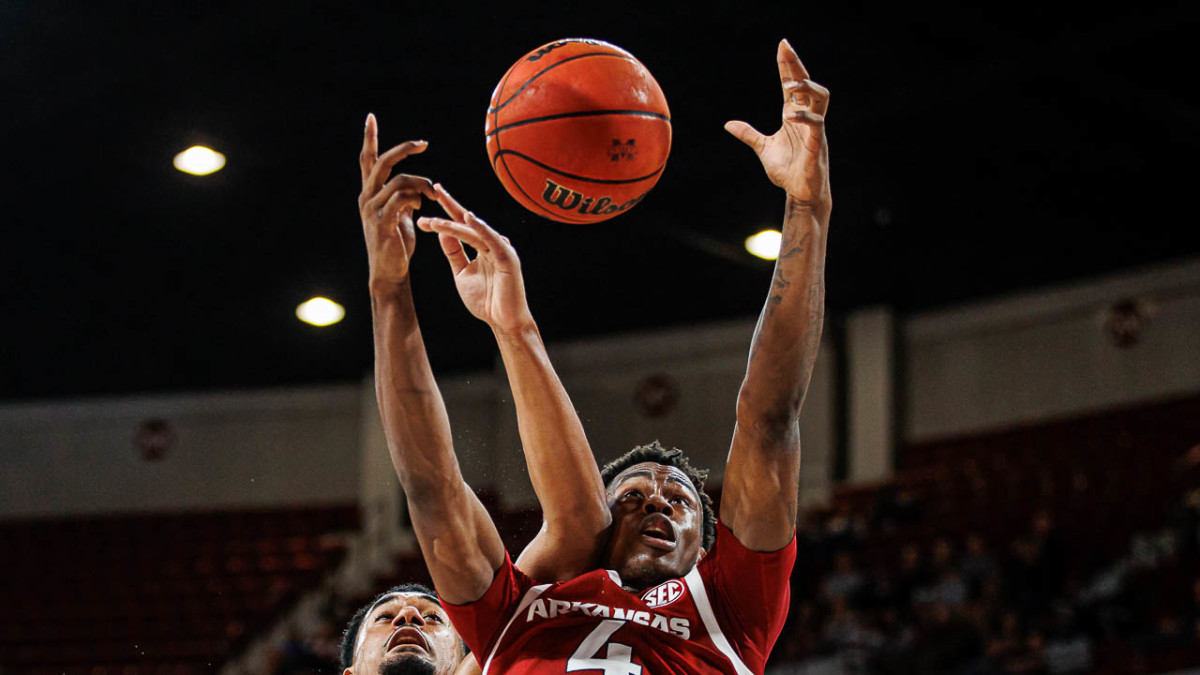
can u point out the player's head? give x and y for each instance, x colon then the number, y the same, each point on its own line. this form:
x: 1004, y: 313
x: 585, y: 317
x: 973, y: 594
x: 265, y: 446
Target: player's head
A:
x: 403, y: 631
x: 662, y: 520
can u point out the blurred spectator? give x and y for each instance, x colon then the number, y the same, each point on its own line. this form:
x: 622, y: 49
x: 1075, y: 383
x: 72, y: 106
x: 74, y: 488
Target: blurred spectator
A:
x: 1031, y: 659
x: 945, y: 643
x: 844, y: 582
x: 1185, y: 522
x: 844, y: 530
x: 1193, y: 609
x: 1031, y: 604
x: 1166, y: 635
x: 1037, y: 569
x: 898, y: 637
x: 316, y: 653
x: 1067, y: 650
x: 947, y: 586
x: 896, y: 506
x: 911, y: 575
x: 851, y: 636
x: 977, y: 564
x: 1007, y: 640
x: 801, y: 639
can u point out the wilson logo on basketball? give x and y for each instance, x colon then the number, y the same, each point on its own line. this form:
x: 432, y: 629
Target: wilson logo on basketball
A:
x: 664, y: 594
x: 569, y: 200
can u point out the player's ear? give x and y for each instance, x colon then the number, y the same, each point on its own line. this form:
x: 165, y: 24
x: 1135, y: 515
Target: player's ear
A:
x: 348, y: 671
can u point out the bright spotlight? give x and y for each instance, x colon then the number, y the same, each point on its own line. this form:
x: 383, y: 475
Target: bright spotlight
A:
x: 199, y: 161
x: 320, y: 312
x: 765, y: 244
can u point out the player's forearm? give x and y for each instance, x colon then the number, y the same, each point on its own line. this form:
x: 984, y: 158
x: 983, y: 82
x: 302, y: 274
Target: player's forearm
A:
x: 461, y: 546
x: 560, y: 461
x: 788, y: 334
x: 410, y: 404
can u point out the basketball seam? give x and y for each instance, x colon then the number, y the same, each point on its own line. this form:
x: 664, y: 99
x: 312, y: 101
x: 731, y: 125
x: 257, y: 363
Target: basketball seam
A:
x: 551, y: 67
x: 601, y: 181
x: 581, y: 113
x: 531, y: 199
x: 495, y: 112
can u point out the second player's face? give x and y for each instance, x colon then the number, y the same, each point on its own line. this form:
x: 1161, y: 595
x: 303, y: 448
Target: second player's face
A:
x: 406, y: 633
x: 657, y: 525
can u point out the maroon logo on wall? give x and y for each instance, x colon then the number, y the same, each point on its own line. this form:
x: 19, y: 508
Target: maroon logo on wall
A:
x: 154, y: 438
x: 656, y: 395
x: 1125, y: 321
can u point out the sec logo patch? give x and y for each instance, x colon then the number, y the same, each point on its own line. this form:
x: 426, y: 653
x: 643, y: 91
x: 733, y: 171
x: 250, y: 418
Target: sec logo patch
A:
x: 664, y: 594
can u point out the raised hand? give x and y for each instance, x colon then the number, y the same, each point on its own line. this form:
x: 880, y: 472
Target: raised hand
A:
x: 490, y: 285
x: 386, y: 206
x: 796, y: 157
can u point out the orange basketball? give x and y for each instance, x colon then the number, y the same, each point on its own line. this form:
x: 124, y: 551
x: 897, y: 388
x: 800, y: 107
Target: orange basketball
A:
x: 578, y: 131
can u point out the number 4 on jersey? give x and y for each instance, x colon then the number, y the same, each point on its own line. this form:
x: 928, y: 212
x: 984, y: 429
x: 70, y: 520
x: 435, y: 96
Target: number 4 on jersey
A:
x: 618, y: 659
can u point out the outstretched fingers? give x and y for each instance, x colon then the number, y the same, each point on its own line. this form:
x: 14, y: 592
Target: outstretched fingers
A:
x: 370, y: 148
x: 466, y: 234
x: 449, y: 204
x: 474, y: 233
x: 790, y: 67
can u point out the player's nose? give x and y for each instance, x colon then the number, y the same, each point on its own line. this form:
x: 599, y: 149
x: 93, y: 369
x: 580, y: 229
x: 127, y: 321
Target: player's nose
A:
x: 656, y: 503
x: 409, y: 616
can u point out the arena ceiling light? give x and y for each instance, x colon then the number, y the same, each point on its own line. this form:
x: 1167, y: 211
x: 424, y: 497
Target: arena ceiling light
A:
x: 320, y: 312
x: 765, y: 244
x: 199, y: 161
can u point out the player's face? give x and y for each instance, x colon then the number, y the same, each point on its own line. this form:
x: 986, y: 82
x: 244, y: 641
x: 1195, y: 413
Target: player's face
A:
x: 406, y: 633
x: 657, y: 524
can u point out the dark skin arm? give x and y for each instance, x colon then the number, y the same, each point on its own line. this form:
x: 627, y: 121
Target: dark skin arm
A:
x: 759, y: 493
x: 461, y: 546
x: 556, y: 450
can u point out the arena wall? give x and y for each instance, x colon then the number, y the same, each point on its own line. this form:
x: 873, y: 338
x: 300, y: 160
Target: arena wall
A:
x: 267, y: 448
x: 1006, y: 362
x: 1050, y: 353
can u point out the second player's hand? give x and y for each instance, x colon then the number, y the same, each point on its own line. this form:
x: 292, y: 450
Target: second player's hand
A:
x: 386, y: 206
x: 796, y: 158
x: 491, y: 285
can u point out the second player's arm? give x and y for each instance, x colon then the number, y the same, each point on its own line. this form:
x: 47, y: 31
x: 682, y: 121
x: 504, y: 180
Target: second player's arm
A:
x: 458, y: 540
x: 759, y: 492
x: 560, y: 462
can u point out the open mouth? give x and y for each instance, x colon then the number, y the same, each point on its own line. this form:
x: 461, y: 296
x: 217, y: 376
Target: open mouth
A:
x: 407, y: 637
x: 658, y: 532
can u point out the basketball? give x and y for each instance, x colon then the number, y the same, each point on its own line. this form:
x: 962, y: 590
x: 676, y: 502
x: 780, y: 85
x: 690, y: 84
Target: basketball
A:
x: 578, y: 131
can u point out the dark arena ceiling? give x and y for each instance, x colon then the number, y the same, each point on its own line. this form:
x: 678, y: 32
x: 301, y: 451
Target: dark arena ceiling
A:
x: 975, y: 151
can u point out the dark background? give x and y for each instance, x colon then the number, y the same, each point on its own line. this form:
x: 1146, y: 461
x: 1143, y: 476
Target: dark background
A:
x: 974, y: 152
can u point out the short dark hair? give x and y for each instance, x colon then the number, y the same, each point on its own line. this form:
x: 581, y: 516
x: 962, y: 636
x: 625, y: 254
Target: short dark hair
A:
x: 655, y: 452
x: 350, y: 637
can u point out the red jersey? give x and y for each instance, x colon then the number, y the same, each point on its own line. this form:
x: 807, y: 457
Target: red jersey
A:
x: 722, y: 617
